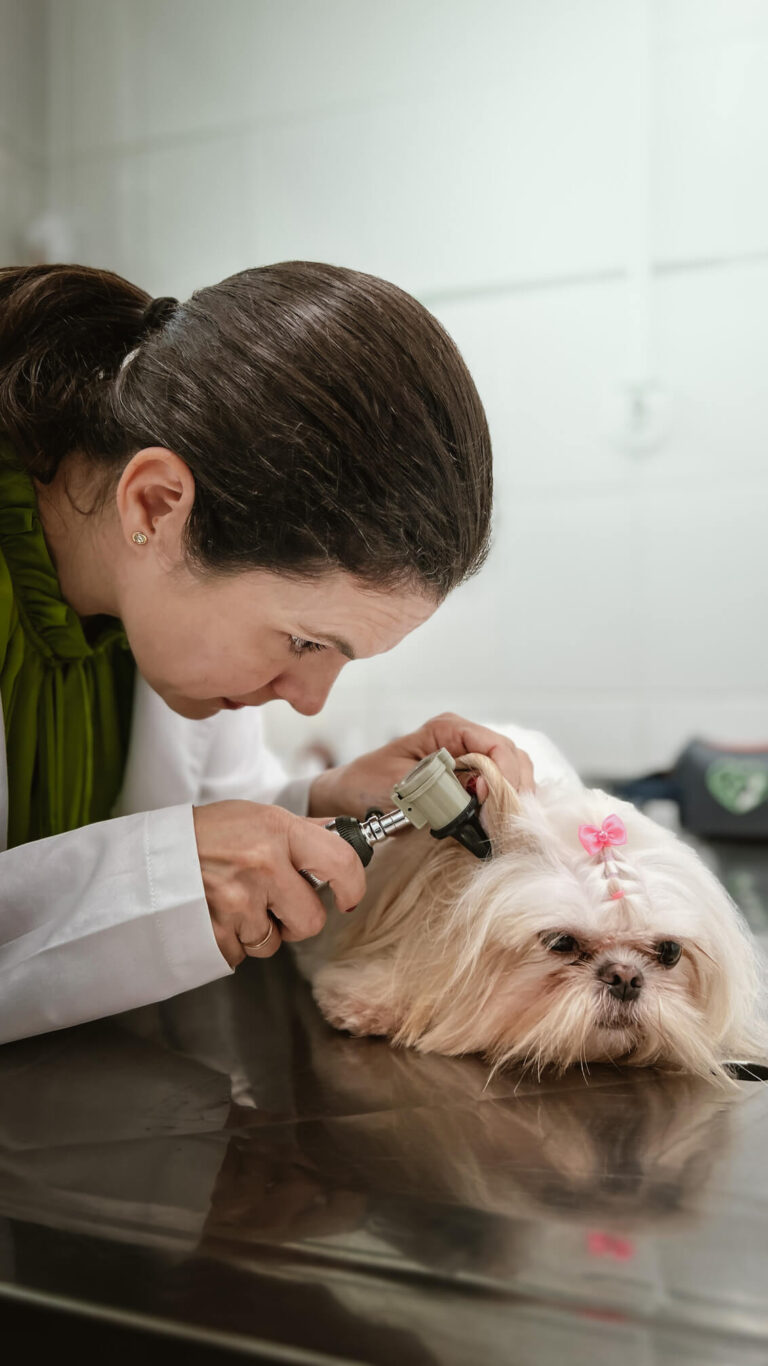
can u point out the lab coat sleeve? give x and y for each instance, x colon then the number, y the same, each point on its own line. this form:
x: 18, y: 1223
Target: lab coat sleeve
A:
x: 102, y: 919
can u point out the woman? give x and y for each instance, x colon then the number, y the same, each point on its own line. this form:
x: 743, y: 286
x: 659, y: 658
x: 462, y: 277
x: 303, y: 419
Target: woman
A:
x: 205, y: 506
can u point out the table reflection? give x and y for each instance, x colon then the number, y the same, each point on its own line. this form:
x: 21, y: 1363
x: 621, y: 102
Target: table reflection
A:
x: 230, y: 1134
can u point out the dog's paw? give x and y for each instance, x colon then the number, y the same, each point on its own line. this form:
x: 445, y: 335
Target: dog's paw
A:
x: 346, y: 1003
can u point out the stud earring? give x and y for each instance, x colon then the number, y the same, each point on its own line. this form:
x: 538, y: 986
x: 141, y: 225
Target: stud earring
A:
x: 139, y: 537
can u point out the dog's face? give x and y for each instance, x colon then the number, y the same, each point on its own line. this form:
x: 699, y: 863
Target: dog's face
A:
x: 650, y: 973
x: 548, y: 955
x: 639, y: 958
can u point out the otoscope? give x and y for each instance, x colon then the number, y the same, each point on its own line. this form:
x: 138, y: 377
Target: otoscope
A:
x: 430, y: 794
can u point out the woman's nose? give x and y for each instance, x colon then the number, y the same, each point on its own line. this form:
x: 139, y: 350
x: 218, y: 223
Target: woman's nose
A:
x: 306, y: 695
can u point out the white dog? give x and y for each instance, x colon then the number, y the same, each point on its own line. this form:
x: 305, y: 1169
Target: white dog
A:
x: 592, y: 934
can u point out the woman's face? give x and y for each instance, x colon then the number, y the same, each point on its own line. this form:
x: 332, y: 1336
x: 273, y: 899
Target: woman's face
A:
x: 210, y: 641
x: 205, y: 644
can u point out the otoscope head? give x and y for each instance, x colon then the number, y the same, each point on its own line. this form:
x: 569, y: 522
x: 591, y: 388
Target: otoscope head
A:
x: 432, y: 795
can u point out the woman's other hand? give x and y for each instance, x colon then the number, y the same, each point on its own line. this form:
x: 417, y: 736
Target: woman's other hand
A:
x: 368, y: 781
x: 250, y: 858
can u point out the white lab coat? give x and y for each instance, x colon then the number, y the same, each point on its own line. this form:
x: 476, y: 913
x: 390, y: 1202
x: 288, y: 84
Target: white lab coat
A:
x: 113, y: 915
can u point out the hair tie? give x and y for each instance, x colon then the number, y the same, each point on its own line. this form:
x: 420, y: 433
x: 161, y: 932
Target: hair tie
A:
x: 157, y: 313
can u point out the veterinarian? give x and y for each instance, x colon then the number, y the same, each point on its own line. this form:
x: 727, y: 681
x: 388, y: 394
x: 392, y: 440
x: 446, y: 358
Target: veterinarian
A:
x: 203, y: 507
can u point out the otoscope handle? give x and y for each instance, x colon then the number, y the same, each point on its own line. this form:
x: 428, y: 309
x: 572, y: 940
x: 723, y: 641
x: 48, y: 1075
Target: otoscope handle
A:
x: 351, y: 831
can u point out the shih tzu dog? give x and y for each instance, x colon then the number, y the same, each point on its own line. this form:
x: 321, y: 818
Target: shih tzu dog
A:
x: 592, y: 935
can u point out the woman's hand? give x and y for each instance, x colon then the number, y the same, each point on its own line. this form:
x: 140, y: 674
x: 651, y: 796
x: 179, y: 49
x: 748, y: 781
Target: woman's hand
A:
x: 355, y: 787
x: 250, y: 857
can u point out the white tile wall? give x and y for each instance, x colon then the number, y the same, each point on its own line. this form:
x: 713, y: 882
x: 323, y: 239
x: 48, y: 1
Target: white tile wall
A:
x: 23, y: 75
x: 22, y: 185
x: 101, y: 200
x: 712, y: 341
x: 702, y: 613
x: 488, y: 156
x: 426, y: 142
x: 97, y: 75
x: 454, y: 188
x: 159, y: 69
x: 688, y: 23
x: 23, y: 105
x: 550, y: 365
x: 710, y: 137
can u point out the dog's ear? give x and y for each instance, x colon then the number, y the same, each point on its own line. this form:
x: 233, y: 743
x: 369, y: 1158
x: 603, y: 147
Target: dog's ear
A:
x: 502, y: 806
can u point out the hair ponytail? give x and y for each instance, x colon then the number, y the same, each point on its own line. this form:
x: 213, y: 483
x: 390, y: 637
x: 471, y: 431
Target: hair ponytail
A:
x: 64, y: 331
x: 327, y: 418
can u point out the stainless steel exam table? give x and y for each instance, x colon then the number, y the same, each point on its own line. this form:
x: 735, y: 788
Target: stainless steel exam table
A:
x: 222, y: 1176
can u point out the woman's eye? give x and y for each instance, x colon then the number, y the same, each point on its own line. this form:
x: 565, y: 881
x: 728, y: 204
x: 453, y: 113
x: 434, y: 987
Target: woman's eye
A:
x: 303, y: 647
x: 563, y: 943
x: 668, y: 952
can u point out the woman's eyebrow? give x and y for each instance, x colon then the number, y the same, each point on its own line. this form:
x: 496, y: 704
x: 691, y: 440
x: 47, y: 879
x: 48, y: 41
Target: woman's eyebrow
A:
x: 337, y: 643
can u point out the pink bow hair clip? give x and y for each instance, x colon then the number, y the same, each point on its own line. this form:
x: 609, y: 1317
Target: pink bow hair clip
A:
x: 594, y: 840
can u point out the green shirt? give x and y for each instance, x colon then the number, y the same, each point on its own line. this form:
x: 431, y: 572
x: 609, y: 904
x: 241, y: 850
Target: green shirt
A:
x: 66, y: 699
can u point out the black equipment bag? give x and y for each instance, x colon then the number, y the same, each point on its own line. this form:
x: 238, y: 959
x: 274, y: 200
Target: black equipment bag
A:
x: 722, y: 793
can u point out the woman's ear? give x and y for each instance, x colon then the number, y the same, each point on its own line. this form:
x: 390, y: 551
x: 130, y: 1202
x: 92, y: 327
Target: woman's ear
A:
x: 154, y: 497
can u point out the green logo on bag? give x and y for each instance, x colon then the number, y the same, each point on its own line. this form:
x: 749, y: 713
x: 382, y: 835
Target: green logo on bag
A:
x: 738, y: 784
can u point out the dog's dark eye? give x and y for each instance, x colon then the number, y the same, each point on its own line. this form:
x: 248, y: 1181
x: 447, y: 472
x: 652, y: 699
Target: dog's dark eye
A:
x: 668, y: 952
x: 563, y: 943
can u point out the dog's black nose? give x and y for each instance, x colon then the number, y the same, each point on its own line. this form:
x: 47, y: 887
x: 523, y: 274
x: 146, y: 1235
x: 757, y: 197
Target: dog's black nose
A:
x: 623, y: 982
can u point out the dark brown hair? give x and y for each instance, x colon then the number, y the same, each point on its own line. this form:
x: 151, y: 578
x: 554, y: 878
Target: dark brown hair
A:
x: 327, y: 418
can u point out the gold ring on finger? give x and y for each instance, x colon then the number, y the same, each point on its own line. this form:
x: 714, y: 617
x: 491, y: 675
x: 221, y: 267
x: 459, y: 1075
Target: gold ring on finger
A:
x: 261, y: 942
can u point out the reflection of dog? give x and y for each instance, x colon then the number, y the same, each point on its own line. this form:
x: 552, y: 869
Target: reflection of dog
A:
x: 592, y: 934
x: 624, y: 1157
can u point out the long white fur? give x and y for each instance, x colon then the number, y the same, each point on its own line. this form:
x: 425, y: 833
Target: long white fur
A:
x: 447, y: 954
